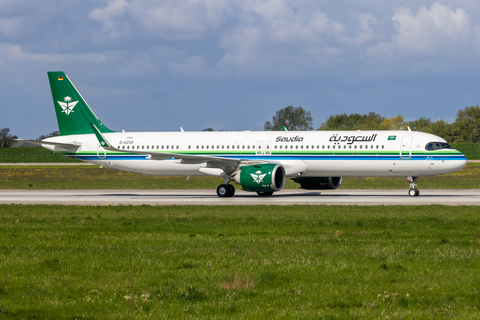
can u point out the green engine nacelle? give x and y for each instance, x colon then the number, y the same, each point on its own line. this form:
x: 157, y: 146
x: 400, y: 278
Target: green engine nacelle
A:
x: 261, y: 177
x: 319, y: 183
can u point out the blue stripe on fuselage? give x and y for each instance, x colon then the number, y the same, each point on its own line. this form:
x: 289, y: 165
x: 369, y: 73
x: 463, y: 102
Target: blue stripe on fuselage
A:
x: 289, y: 157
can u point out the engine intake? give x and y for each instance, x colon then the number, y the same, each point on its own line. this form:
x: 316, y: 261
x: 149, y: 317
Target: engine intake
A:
x: 319, y: 183
x: 261, y: 177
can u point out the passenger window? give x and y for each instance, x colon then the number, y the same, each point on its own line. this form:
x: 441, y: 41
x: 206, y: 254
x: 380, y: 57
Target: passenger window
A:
x: 383, y: 146
x: 128, y: 147
x: 355, y: 147
x: 301, y: 147
x: 360, y: 146
x: 350, y: 147
x: 123, y: 147
x: 328, y: 147
x: 344, y: 146
x: 296, y: 147
x: 291, y: 147
x: 323, y: 147
x: 333, y: 147
x: 306, y: 146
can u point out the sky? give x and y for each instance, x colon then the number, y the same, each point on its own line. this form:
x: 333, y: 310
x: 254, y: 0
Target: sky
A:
x: 149, y: 65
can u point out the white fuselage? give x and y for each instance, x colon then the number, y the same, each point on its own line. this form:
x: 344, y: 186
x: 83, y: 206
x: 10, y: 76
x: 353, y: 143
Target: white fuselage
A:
x: 302, y: 153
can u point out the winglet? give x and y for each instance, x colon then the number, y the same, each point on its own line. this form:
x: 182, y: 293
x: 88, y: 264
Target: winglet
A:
x: 284, y: 128
x: 101, y: 139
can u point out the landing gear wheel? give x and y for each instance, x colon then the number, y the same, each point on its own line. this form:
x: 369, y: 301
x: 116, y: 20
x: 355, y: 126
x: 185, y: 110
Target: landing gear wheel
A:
x: 222, y: 190
x: 413, y: 192
x: 231, y: 190
x: 264, y: 193
x: 225, y: 190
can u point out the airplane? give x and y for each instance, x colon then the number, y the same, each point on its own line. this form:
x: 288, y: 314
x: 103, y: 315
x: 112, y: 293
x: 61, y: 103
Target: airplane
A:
x: 258, y: 161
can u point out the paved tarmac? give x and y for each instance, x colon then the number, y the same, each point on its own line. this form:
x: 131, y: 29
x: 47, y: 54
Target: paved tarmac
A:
x: 452, y: 197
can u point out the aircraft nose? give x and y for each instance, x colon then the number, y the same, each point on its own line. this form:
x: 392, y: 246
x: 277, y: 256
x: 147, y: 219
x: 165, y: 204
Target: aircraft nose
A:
x: 461, y: 163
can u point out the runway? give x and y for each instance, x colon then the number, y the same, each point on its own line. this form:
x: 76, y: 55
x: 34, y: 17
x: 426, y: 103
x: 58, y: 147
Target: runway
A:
x: 451, y: 197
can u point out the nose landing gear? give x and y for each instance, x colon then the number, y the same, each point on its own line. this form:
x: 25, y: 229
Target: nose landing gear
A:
x: 413, y: 192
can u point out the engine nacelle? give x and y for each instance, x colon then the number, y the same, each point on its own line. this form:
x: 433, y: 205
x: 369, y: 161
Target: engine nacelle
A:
x: 261, y: 177
x: 319, y: 183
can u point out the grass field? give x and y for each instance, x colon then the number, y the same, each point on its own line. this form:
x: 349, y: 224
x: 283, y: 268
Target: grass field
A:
x: 293, y: 262
x: 94, y: 177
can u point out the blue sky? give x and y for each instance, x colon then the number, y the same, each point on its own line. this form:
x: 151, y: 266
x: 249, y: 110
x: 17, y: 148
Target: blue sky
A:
x: 146, y: 65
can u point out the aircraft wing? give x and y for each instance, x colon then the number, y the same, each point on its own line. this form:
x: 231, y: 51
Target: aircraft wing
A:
x: 186, y: 158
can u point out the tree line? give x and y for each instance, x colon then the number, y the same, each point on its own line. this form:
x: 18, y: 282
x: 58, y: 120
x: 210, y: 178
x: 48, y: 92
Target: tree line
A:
x: 465, y: 128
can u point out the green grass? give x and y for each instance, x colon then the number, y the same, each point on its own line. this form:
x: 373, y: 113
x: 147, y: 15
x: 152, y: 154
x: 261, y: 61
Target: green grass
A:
x: 32, y: 155
x: 470, y: 150
x: 40, y: 155
x: 292, y: 262
x: 94, y: 177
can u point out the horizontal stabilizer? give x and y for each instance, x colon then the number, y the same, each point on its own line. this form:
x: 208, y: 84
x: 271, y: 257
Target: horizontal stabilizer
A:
x: 60, y: 144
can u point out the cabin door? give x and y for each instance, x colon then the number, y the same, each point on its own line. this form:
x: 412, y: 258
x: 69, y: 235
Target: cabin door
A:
x: 101, y: 153
x: 406, y: 148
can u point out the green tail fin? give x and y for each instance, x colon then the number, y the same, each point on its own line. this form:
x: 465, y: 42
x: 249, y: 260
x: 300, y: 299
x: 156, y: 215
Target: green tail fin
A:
x: 74, y: 116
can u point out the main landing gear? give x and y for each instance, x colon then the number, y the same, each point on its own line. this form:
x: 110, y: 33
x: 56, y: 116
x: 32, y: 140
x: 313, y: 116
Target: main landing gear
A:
x: 225, y: 190
x: 413, y: 192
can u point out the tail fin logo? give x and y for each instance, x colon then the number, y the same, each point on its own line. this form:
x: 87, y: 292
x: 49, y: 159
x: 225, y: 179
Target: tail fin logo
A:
x: 67, y: 106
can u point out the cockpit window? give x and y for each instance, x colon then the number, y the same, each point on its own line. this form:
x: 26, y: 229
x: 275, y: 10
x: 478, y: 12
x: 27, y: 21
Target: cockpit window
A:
x: 437, y: 146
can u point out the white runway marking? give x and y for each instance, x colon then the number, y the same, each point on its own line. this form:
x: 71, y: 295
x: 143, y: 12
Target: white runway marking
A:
x: 453, y: 197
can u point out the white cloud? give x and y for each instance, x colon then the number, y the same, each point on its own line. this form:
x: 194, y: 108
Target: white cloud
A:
x: 276, y: 36
x: 139, y: 66
x: 168, y: 19
x: 367, y: 25
x: 15, y: 52
x: 432, y: 29
x: 113, y: 24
